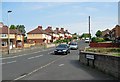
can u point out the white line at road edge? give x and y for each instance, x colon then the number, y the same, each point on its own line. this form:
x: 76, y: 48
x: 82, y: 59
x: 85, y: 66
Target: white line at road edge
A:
x: 39, y: 68
x: 24, y: 54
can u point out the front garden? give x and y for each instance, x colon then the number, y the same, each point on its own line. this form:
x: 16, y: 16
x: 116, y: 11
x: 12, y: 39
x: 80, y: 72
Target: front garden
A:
x: 106, y: 51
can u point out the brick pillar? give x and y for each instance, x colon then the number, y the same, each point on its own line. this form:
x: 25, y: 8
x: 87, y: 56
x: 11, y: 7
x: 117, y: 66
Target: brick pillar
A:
x: 22, y: 41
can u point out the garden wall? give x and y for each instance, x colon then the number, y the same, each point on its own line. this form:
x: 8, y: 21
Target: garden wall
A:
x: 108, y: 64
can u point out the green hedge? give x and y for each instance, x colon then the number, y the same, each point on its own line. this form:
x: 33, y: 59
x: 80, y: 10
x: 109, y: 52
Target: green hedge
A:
x: 96, y: 39
x: 63, y: 41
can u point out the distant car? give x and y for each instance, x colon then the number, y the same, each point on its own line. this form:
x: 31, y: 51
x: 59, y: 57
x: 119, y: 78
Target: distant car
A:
x: 62, y: 49
x: 87, y: 40
x: 73, y: 45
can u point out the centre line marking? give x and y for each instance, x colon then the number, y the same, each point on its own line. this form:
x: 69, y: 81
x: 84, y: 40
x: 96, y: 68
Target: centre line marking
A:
x: 61, y: 65
x: 39, y: 68
x: 35, y: 57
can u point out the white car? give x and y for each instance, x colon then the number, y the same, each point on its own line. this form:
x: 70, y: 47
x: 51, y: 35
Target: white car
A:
x: 73, y: 45
x: 87, y: 40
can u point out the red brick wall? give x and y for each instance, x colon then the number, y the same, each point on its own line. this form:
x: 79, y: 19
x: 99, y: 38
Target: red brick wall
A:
x: 106, y: 45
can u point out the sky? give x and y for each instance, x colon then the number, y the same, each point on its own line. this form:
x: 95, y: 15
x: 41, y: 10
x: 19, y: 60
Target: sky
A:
x: 69, y: 15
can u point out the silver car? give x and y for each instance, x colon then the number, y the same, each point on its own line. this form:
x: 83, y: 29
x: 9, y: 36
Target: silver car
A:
x: 73, y: 45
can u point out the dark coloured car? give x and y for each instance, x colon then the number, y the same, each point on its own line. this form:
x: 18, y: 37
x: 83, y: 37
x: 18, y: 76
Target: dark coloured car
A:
x: 62, y: 49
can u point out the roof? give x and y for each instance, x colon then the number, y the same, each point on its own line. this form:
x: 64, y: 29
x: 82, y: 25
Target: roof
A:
x: 12, y: 31
x: 38, y: 30
x: 49, y: 30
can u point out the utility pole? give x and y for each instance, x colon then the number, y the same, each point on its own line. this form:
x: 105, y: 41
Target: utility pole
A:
x: 8, y: 33
x: 89, y: 30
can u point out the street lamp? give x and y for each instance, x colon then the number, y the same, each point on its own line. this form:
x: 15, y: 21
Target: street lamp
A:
x: 8, y: 32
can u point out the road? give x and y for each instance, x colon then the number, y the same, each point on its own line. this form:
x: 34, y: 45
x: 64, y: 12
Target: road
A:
x: 43, y: 65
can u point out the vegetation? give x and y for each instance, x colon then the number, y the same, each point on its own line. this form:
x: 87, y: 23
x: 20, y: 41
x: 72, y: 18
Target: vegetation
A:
x: 21, y: 28
x: 84, y: 35
x: 96, y: 39
x: 98, y: 33
x: 63, y: 41
x: 112, y: 51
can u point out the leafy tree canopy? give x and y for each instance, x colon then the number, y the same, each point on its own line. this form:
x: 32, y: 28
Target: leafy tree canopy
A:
x: 98, y: 33
x: 12, y: 27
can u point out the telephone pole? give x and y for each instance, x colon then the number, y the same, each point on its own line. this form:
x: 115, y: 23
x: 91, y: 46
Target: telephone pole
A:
x: 89, y: 30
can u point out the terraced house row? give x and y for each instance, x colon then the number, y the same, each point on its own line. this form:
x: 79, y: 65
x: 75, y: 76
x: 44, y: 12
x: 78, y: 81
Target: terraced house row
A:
x: 35, y: 36
x: 48, y: 35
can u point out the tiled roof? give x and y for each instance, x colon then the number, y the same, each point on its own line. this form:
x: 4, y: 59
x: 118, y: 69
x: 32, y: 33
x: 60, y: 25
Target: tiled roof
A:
x: 67, y: 32
x: 49, y: 30
x: 38, y: 30
x: 12, y: 31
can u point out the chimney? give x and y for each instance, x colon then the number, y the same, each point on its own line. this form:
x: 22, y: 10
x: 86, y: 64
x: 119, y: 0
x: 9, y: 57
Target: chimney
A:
x: 62, y: 29
x: 40, y: 27
x: 57, y: 29
x: 49, y: 27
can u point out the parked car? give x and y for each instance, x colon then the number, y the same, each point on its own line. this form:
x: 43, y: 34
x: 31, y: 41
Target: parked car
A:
x: 62, y: 49
x: 73, y: 45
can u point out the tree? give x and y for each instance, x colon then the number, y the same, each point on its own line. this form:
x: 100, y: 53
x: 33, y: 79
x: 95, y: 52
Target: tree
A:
x: 85, y: 35
x: 98, y: 33
x: 12, y: 27
x: 21, y: 28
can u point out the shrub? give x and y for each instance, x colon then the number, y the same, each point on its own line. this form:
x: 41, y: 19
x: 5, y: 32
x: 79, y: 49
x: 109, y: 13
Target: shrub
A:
x: 96, y: 39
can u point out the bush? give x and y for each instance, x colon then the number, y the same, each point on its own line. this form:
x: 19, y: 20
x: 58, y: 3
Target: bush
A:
x: 96, y: 39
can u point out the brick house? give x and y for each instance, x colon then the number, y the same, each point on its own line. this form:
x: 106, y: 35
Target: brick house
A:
x: 38, y: 36
x: 68, y: 34
x: 16, y: 37
x: 62, y: 33
x: 115, y: 34
x: 51, y: 32
x: 57, y: 34
x: 105, y: 34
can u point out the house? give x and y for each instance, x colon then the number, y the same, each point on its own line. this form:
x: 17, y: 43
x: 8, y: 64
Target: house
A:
x: 51, y: 32
x: 68, y: 35
x: 57, y: 34
x: 15, y: 36
x: 38, y: 36
x: 62, y: 33
x: 105, y: 34
x: 115, y: 34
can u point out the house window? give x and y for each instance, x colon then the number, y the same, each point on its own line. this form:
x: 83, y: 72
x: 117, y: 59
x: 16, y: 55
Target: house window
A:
x: 4, y: 35
x: 4, y: 43
x: 32, y: 34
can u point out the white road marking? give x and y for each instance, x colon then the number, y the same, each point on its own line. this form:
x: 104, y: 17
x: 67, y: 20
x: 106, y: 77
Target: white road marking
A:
x: 2, y: 63
x: 8, y: 62
x: 23, y: 54
x: 61, y: 65
x: 35, y: 57
x: 11, y: 62
x: 39, y: 68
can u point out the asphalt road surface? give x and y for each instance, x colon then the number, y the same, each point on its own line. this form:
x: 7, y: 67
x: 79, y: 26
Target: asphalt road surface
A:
x: 43, y: 65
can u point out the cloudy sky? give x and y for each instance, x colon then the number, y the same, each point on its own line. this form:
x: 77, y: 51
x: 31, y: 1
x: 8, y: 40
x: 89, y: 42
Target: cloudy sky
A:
x: 70, y: 15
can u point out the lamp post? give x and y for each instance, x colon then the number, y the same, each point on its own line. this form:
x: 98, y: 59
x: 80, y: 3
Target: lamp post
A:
x: 8, y: 32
